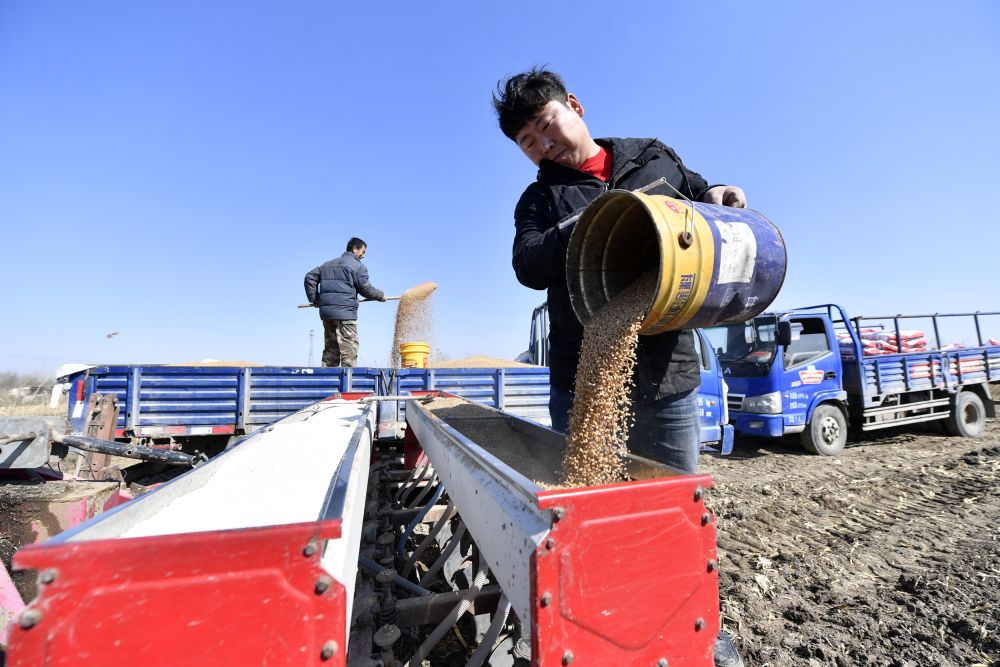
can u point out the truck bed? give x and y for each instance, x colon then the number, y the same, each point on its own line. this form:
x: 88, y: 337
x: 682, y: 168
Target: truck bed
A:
x: 932, y: 369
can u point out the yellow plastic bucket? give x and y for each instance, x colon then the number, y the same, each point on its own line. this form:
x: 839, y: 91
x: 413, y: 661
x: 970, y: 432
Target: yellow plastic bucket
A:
x: 414, y: 355
x: 714, y: 264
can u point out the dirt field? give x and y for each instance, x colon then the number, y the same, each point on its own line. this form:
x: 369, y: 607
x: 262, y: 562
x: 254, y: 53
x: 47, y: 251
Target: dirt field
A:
x: 888, y: 555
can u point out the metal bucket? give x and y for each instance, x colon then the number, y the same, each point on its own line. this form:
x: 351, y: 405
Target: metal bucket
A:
x: 715, y: 264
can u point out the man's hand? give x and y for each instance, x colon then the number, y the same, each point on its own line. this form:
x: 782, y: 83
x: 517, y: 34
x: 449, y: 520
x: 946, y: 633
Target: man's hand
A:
x: 726, y: 195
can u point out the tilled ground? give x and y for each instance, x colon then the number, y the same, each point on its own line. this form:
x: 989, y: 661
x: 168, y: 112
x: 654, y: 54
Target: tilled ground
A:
x: 887, y: 555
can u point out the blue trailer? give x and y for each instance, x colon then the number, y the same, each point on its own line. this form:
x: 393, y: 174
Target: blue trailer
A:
x: 817, y: 372
x: 181, y: 402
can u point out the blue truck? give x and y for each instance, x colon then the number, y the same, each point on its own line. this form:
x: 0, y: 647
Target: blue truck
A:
x: 818, y: 372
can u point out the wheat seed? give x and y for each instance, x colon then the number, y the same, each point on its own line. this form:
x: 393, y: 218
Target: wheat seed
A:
x: 601, y: 414
x: 414, y: 319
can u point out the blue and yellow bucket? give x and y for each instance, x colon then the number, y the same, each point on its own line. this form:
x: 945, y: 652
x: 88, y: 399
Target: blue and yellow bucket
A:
x: 715, y: 264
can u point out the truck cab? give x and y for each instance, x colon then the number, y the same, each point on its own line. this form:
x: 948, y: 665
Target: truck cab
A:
x: 815, y: 370
x: 780, y: 369
x: 716, y: 432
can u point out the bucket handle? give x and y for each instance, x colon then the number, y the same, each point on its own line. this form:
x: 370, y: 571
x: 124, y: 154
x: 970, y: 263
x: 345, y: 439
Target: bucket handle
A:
x: 685, y: 238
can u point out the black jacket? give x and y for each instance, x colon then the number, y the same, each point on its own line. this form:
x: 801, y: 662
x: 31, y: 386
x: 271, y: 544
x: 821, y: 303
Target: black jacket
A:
x: 335, y: 285
x: 666, y: 363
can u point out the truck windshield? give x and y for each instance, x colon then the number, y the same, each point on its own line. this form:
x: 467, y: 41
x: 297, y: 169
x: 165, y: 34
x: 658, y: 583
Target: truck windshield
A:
x: 749, y: 345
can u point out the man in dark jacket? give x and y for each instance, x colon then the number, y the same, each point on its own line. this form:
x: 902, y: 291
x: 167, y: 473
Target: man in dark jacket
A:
x: 546, y: 122
x: 333, y: 287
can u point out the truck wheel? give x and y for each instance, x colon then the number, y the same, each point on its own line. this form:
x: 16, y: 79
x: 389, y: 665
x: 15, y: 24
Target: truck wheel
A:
x: 826, y: 432
x: 968, y: 417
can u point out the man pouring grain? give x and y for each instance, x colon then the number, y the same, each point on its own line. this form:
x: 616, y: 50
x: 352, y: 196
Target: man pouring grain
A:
x: 546, y: 122
x: 334, y: 287
x: 536, y: 111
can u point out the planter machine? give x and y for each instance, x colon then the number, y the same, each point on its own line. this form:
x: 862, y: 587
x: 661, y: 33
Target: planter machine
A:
x: 327, y: 538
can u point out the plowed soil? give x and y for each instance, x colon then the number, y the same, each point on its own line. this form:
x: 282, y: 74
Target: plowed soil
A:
x: 887, y: 555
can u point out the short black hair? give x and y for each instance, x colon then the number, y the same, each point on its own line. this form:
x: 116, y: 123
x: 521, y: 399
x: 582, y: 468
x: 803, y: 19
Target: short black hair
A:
x: 520, y: 97
x: 355, y: 242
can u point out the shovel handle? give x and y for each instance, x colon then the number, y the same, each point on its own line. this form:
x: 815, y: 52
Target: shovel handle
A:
x: 388, y: 298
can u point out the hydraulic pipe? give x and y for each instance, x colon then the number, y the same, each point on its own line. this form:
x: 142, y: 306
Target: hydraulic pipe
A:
x: 140, y: 452
x: 405, y: 584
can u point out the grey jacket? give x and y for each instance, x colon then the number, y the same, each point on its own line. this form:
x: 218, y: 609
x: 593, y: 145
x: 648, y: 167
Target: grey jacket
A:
x: 335, y: 286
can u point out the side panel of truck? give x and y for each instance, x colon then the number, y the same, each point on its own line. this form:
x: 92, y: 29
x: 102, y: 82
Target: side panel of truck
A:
x: 523, y: 391
x: 712, y: 409
x: 197, y: 400
x: 899, y: 373
x: 183, y: 401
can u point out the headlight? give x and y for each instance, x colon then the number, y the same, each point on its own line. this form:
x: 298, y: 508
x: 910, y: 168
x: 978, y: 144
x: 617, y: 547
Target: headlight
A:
x: 767, y: 404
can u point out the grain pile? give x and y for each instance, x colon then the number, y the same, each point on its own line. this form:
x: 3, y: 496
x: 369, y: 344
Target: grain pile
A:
x: 221, y: 364
x: 479, y: 361
x: 601, y: 415
x: 414, y: 319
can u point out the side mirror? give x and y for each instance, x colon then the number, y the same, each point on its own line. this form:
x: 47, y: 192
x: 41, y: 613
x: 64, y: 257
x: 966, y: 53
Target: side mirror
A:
x: 783, y: 333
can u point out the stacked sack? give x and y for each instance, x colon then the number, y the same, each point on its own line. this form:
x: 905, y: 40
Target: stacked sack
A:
x: 961, y: 346
x: 878, y: 341
x: 846, y: 345
x: 887, y: 342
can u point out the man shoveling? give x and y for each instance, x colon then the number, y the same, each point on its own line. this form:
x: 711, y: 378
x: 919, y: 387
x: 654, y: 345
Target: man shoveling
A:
x: 334, y: 287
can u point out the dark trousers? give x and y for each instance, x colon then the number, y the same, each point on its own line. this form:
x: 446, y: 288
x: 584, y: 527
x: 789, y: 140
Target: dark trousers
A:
x: 666, y: 430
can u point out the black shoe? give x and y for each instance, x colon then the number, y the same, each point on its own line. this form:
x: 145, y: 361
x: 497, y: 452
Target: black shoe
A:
x: 726, y: 654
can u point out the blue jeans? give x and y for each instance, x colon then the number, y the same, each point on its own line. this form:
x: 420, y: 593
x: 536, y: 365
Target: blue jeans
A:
x: 560, y: 402
x: 667, y: 430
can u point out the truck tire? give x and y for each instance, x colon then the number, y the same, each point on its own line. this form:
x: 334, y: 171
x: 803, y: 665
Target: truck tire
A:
x: 968, y: 416
x: 826, y: 433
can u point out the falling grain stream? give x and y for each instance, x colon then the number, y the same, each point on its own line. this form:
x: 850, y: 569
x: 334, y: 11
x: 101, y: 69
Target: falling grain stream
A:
x: 601, y: 414
x: 414, y: 318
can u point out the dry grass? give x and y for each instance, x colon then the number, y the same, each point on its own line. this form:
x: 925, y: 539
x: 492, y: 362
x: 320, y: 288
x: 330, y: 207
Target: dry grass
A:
x: 37, y: 409
x: 479, y: 361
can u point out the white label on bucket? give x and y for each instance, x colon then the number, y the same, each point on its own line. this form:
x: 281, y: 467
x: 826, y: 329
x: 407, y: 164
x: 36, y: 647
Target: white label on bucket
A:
x: 738, y: 254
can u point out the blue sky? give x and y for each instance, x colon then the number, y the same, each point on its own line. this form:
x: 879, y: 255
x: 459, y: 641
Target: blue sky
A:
x: 170, y: 170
